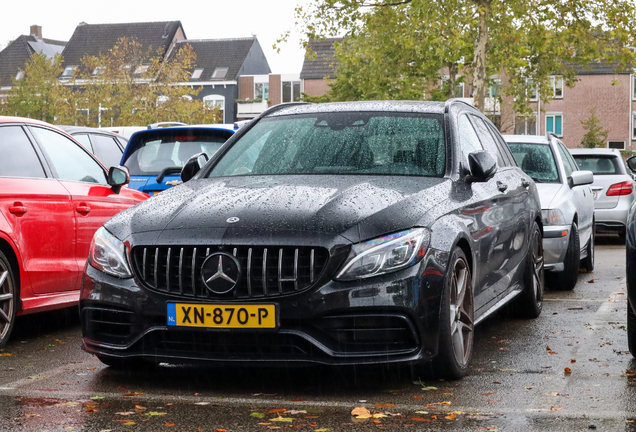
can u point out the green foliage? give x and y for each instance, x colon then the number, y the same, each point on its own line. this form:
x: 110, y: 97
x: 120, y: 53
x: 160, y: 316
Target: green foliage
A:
x: 39, y: 94
x: 595, y: 136
x: 407, y: 49
x: 124, y: 86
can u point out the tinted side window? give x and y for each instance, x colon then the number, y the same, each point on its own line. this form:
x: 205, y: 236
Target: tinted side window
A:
x: 468, y: 140
x: 18, y: 155
x: 487, y: 140
x: 71, y: 162
x: 107, y: 150
x: 503, y: 147
x: 85, y: 140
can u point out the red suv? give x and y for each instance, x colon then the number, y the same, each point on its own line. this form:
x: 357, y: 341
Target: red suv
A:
x: 54, y: 195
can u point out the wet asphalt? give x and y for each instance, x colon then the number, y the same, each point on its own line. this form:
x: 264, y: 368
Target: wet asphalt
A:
x: 568, y: 370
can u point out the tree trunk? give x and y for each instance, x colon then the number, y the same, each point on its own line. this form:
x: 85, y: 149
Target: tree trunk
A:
x: 480, y: 80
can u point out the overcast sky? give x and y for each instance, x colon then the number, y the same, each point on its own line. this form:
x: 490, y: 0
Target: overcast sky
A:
x: 210, y: 19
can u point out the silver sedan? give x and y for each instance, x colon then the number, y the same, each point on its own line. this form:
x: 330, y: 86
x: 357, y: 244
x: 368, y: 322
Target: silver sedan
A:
x: 567, y: 205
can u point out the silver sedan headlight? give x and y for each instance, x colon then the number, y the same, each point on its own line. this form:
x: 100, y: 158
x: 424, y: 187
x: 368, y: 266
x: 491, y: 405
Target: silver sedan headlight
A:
x: 385, y: 254
x: 108, y: 254
x: 553, y: 217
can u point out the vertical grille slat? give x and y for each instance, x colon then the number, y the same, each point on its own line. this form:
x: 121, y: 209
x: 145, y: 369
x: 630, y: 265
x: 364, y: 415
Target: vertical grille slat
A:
x: 265, y: 274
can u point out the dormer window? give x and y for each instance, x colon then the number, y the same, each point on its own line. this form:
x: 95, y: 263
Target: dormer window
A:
x: 19, y: 75
x: 197, y: 73
x: 219, y: 72
x: 99, y: 70
x: 141, y: 69
x: 69, y: 71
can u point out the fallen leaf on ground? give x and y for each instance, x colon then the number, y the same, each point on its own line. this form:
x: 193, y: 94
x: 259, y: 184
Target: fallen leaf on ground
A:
x: 567, y: 371
x: 155, y: 413
x: 125, y: 413
x: 282, y: 419
x: 133, y: 394
x: 5, y: 354
x: 361, y: 412
x: 384, y: 405
x: 419, y: 419
x: 202, y: 403
x: 429, y: 388
x: 553, y: 408
x: 257, y: 415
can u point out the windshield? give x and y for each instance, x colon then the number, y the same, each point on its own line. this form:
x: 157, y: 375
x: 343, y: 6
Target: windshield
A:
x: 153, y: 152
x: 599, y: 165
x: 536, y: 160
x: 339, y: 143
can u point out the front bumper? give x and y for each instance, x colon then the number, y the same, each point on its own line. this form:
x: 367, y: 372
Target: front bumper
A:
x: 555, y: 246
x: 386, y: 319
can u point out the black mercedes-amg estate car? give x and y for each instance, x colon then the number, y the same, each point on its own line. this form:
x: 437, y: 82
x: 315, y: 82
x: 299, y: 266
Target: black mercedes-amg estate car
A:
x: 339, y: 234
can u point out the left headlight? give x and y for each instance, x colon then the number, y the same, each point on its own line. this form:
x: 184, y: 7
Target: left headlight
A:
x: 385, y: 254
x: 553, y: 217
x: 108, y: 254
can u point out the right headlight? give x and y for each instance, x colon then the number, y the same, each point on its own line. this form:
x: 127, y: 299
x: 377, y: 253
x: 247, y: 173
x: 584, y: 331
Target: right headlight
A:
x: 553, y: 217
x: 108, y: 254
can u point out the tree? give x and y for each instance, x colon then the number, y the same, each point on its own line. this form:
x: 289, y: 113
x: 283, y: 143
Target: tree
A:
x: 595, y: 136
x: 127, y: 85
x: 38, y: 93
x: 404, y: 48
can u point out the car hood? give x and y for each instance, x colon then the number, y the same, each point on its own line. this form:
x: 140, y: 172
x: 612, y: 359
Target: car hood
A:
x: 354, y: 207
x: 547, y: 193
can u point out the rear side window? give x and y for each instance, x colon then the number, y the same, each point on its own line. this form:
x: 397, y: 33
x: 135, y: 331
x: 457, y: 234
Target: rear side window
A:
x: 85, y: 140
x: 487, y: 140
x: 18, y: 155
x: 107, y: 150
x: 599, y: 165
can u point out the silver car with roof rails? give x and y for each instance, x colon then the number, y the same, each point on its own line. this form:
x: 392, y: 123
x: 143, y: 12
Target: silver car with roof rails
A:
x: 567, y: 205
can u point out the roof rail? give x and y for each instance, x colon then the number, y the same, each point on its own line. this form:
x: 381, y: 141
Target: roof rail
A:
x: 549, y: 134
x: 451, y: 101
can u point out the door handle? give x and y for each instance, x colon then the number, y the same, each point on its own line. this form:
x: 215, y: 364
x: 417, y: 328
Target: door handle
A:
x: 525, y: 184
x: 501, y: 186
x: 17, y: 209
x: 83, y: 209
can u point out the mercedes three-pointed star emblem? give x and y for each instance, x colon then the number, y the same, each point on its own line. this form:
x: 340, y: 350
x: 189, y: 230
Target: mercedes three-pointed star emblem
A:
x: 220, y: 272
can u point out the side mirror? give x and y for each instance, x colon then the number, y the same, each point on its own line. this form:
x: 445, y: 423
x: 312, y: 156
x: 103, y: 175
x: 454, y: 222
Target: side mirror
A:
x: 582, y: 177
x: 631, y: 163
x: 482, y: 166
x: 193, y: 166
x: 118, y: 176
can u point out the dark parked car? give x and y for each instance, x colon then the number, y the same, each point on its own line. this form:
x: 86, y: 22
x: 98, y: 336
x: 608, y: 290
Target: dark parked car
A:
x: 346, y: 233
x: 107, y: 146
x: 54, y: 195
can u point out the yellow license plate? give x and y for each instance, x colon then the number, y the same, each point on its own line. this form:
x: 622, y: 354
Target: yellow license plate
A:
x: 221, y: 315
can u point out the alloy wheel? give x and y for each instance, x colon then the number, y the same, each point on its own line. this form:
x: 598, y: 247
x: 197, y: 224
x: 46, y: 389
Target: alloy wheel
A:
x: 6, y: 301
x: 461, y: 313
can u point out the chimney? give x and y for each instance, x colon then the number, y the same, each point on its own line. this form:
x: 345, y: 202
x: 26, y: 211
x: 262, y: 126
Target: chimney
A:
x: 36, y: 31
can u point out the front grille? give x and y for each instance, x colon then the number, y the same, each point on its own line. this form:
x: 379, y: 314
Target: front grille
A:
x: 266, y: 271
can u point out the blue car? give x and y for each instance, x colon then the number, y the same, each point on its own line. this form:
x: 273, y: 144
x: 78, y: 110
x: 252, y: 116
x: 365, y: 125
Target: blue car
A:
x: 154, y: 157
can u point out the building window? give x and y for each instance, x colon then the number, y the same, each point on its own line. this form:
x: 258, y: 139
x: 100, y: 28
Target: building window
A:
x: 495, y: 88
x: 557, y: 86
x: 554, y: 124
x: 532, y: 91
x: 616, y: 145
x: 99, y: 70
x: 216, y: 101
x: 68, y: 71
x: 19, y: 75
x: 526, y: 125
x: 219, y: 73
x: 141, y: 69
x: 197, y: 73
x: 633, y: 125
x: 261, y: 91
x: 458, y: 91
x: 162, y: 100
x: 291, y: 91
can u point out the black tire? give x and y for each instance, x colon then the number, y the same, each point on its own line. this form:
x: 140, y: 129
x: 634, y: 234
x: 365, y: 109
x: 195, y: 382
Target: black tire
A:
x: 124, y: 363
x: 587, y: 263
x: 529, y: 303
x: 631, y: 330
x: 9, y: 297
x: 456, y: 328
x: 566, y: 279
